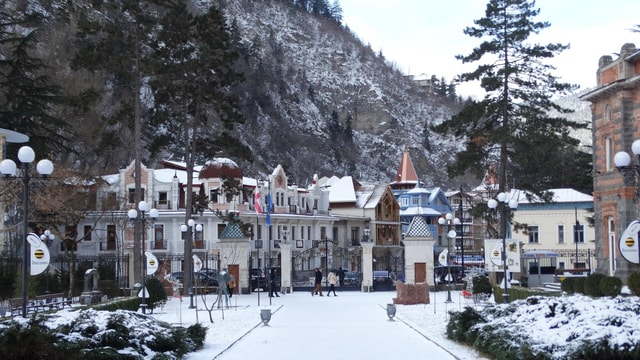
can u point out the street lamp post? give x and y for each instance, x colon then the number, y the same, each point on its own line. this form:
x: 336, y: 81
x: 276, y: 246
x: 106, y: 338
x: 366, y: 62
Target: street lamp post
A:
x: 624, y: 164
x: 449, y: 220
x: 461, y: 231
x: 143, y: 207
x: 184, y: 229
x: 505, y: 212
x: 26, y: 155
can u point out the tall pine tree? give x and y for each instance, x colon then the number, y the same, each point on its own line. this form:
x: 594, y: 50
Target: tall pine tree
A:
x: 511, y: 129
x: 28, y: 96
x: 195, y: 110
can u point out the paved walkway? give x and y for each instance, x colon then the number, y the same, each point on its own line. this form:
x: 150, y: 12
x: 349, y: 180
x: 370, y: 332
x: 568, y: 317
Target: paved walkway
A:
x: 332, y: 328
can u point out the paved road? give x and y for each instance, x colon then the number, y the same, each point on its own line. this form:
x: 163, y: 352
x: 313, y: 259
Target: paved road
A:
x: 332, y: 328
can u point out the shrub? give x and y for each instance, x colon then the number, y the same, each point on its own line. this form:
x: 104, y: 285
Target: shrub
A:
x: 610, y: 286
x: 633, y: 282
x: 481, y: 285
x: 460, y: 324
x: 592, y: 285
x: 157, y: 294
x: 567, y: 285
x: 578, y: 285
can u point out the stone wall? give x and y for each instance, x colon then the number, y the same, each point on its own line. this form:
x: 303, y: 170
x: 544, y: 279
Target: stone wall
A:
x: 411, y: 294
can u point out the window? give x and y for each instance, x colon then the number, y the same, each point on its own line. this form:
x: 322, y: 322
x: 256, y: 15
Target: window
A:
x: 110, y: 201
x: 578, y: 233
x: 415, y: 200
x: 533, y: 235
x: 87, y: 233
x: 111, y: 237
x: 608, y: 149
x: 132, y: 195
x: 162, y: 198
x: 560, y: 234
x: 405, y: 201
x: 158, y: 233
x: 355, y: 235
x: 213, y: 195
x: 279, y: 199
x: 607, y: 113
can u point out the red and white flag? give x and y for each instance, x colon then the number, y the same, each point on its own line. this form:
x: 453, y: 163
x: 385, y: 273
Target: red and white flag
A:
x: 256, y: 202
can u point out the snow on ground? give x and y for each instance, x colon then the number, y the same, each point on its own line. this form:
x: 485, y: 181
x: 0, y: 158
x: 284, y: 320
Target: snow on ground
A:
x: 354, y: 325
x: 350, y: 326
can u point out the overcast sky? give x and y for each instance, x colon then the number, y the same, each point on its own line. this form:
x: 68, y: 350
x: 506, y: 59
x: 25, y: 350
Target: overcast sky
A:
x: 423, y: 36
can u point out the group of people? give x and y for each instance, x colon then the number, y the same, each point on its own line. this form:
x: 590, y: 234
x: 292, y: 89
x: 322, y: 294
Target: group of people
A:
x: 332, y: 279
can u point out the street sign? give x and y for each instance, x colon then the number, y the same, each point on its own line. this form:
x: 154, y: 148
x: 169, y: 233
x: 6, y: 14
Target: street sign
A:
x: 628, y: 244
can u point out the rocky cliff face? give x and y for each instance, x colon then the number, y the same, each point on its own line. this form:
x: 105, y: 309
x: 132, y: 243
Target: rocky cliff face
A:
x: 319, y: 101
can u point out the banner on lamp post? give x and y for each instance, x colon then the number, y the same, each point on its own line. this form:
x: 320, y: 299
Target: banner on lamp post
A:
x: 442, y: 258
x: 39, y: 254
x: 197, y: 263
x: 152, y: 263
x: 493, y: 255
x: 628, y: 244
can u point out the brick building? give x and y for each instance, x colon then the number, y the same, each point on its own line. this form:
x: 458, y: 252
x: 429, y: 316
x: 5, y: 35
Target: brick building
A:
x: 615, y: 108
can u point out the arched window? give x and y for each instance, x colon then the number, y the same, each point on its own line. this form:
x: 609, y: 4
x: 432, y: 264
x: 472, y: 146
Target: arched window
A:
x: 611, y: 234
x: 608, y: 153
x: 607, y: 113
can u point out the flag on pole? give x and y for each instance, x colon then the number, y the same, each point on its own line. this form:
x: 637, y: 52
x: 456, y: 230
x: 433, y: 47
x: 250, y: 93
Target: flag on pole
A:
x: 269, y: 206
x: 256, y: 201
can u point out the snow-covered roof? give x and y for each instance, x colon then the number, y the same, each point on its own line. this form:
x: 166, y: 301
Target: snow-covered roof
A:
x: 416, y: 210
x: 111, y: 179
x: 341, y: 190
x: 563, y: 195
x: 166, y: 176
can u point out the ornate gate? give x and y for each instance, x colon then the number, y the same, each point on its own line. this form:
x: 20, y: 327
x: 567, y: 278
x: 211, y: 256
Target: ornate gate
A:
x: 328, y: 256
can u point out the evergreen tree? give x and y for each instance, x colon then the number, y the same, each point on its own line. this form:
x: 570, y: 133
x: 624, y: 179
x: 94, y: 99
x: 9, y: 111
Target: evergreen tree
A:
x: 195, y: 111
x: 336, y: 11
x: 27, y: 94
x: 113, y: 42
x: 511, y: 128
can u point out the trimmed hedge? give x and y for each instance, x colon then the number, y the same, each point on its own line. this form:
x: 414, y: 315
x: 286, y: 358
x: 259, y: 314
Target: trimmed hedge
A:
x: 633, y: 282
x: 592, y: 285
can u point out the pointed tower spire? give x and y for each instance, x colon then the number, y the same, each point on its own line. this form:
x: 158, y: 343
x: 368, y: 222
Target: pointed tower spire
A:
x: 406, y: 175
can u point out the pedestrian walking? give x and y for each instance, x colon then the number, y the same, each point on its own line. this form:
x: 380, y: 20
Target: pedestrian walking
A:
x: 231, y: 284
x: 318, y: 283
x: 341, y: 277
x: 332, y: 279
x: 273, y: 286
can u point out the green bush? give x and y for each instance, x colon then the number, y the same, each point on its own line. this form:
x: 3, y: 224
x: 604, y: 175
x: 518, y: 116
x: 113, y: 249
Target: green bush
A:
x: 633, y: 282
x: 481, y: 285
x: 460, y: 323
x: 578, y: 285
x: 157, y: 294
x: 131, y: 304
x: 610, y: 286
x: 592, y: 285
x: 567, y: 285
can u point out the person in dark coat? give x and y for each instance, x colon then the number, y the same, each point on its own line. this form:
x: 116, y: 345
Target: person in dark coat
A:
x: 341, y: 277
x: 273, y: 289
x: 318, y: 283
